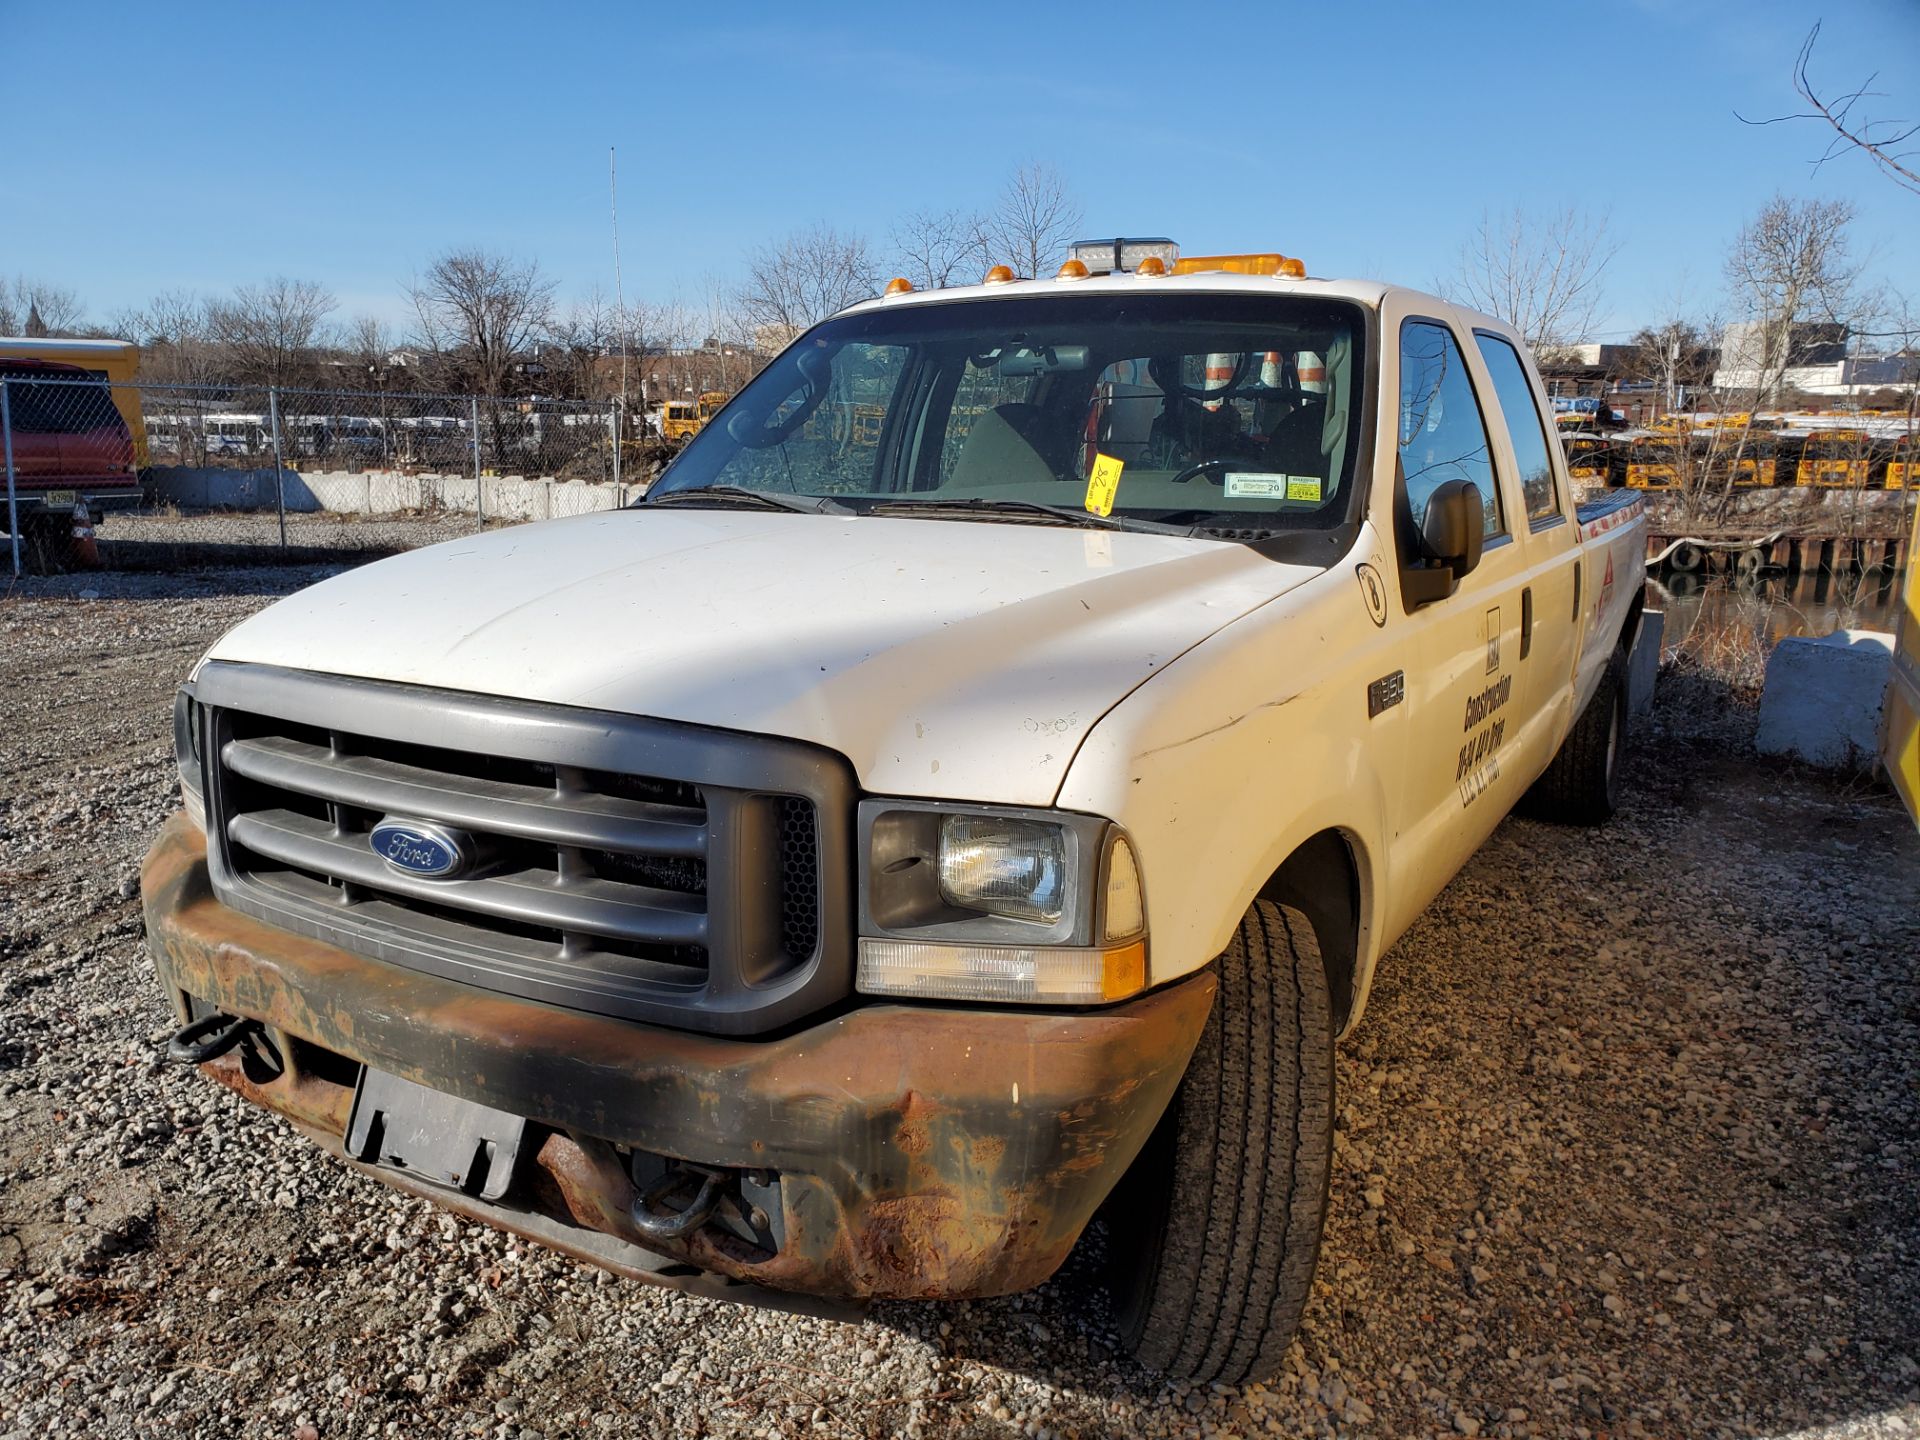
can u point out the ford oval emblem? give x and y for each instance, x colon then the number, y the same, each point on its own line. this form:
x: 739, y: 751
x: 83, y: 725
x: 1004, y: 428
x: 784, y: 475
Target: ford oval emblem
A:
x: 420, y: 847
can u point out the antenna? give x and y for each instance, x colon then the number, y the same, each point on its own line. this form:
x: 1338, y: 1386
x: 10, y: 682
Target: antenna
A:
x: 619, y: 295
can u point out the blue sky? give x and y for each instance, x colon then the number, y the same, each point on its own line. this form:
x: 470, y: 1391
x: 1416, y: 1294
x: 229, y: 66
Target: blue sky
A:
x: 346, y: 143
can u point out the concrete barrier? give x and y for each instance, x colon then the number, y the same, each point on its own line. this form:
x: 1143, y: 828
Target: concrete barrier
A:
x: 1823, y: 698
x: 385, y: 492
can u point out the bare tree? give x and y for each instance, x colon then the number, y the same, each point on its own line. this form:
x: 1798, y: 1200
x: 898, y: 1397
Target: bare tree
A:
x: 366, y: 345
x: 34, y: 307
x: 1035, y: 220
x: 1675, y: 355
x: 175, y: 339
x: 170, y: 318
x: 1789, y: 267
x: 584, y: 334
x: 1539, y: 273
x: 1879, y: 140
x: 482, y: 311
x: 937, y: 248
x: 802, y: 278
x: 1793, y: 288
x: 269, y: 331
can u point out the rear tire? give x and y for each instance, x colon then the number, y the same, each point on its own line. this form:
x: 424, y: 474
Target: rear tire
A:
x: 1582, y: 785
x: 1216, y: 1229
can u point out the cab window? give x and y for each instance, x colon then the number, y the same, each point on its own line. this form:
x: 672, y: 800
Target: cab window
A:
x: 834, y: 413
x: 1525, y: 426
x: 1231, y: 416
x: 980, y: 390
x: 1443, y: 435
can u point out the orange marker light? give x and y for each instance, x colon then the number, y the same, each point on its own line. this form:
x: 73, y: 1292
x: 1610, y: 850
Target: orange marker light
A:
x: 1152, y: 265
x: 899, y: 285
x: 998, y: 275
x: 1073, y: 270
x: 1293, y: 269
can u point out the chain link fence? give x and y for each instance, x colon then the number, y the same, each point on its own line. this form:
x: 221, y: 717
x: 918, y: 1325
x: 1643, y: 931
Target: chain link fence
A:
x: 160, y: 476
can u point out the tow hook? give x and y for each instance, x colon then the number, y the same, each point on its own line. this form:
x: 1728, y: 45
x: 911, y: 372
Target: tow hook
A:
x: 208, y: 1038
x: 672, y: 1226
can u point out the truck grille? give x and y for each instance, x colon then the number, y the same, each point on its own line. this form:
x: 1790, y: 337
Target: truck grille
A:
x: 626, y: 866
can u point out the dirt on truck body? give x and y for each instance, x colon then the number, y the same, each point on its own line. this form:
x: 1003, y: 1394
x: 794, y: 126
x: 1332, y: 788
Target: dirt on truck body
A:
x: 882, y: 1192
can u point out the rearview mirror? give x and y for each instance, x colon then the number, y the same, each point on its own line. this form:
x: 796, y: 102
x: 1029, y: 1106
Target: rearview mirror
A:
x: 1450, y: 540
x: 1042, y: 360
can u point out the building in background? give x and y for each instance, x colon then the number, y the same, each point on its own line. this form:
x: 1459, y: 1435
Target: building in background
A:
x: 1821, y: 360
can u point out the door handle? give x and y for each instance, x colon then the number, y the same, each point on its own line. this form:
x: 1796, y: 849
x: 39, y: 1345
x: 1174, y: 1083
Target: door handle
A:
x: 1526, y: 621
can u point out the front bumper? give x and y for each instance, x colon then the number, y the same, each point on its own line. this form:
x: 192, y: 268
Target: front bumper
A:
x: 922, y: 1152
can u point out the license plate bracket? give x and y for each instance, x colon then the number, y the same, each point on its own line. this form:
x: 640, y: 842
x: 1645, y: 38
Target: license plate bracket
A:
x: 434, y: 1136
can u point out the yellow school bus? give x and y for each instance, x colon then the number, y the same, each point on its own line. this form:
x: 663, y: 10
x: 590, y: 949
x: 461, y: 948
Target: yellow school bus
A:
x: 681, y: 420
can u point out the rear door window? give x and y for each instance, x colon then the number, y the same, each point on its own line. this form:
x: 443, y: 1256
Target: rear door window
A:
x: 1526, y: 427
x: 60, y: 407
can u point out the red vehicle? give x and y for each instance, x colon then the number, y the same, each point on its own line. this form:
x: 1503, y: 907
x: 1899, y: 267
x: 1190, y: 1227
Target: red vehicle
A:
x: 74, y: 450
x: 66, y: 433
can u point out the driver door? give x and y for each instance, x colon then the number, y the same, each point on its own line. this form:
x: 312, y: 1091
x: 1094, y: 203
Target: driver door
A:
x: 1461, y: 654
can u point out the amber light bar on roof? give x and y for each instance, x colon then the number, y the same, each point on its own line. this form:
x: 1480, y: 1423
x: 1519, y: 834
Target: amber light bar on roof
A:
x: 1270, y: 264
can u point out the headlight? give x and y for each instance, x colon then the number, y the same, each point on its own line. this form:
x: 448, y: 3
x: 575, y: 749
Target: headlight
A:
x: 989, y: 903
x: 1002, y: 866
x: 186, y: 754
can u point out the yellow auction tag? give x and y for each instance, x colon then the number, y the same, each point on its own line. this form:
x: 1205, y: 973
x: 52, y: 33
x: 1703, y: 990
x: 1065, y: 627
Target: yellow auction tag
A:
x: 1103, y: 482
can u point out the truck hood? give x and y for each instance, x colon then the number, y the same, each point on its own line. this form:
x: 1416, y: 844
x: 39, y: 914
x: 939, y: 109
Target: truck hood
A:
x: 942, y: 658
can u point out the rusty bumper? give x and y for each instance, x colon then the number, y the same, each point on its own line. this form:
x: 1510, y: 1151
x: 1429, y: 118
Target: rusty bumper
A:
x: 922, y: 1152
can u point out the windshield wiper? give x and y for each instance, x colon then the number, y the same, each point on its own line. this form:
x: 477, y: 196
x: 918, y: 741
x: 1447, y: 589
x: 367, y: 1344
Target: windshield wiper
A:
x: 1215, y: 521
x: 733, y: 495
x: 1058, y: 514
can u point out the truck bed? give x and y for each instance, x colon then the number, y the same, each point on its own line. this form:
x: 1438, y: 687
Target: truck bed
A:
x: 1616, y: 507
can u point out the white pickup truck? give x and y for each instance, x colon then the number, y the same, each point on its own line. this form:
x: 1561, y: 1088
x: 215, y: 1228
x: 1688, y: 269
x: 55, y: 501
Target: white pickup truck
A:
x: 973, y: 788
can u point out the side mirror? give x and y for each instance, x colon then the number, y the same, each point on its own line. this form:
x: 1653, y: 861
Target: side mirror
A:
x: 1450, y: 540
x: 1455, y: 526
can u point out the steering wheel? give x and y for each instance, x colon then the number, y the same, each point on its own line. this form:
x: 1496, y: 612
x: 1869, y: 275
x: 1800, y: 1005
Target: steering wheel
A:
x: 1195, y: 471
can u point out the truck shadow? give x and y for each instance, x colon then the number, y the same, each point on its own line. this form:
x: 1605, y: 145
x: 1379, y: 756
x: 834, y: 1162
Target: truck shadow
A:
x: 1639, y: 1105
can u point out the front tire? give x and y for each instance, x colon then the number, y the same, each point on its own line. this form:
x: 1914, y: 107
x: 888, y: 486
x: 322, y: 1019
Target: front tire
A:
x: 1215, y: 1230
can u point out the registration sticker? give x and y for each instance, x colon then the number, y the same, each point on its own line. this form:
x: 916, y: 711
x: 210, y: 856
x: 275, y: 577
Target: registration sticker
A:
x: 1303, y: 487
x: 1103, y: 482
x: 1243, y: 486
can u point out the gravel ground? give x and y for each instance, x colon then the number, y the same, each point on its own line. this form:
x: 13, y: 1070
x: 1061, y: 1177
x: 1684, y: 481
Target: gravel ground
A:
x: 1627, y: 1147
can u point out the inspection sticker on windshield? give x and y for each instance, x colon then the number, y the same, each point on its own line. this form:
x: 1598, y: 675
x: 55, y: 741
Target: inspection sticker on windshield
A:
x: 1242, y: 486
x: 1245, y: 485
x: 1103, y: 482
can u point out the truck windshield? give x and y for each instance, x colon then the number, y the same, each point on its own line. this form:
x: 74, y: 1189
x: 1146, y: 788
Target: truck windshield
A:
x: 1220, y: 412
